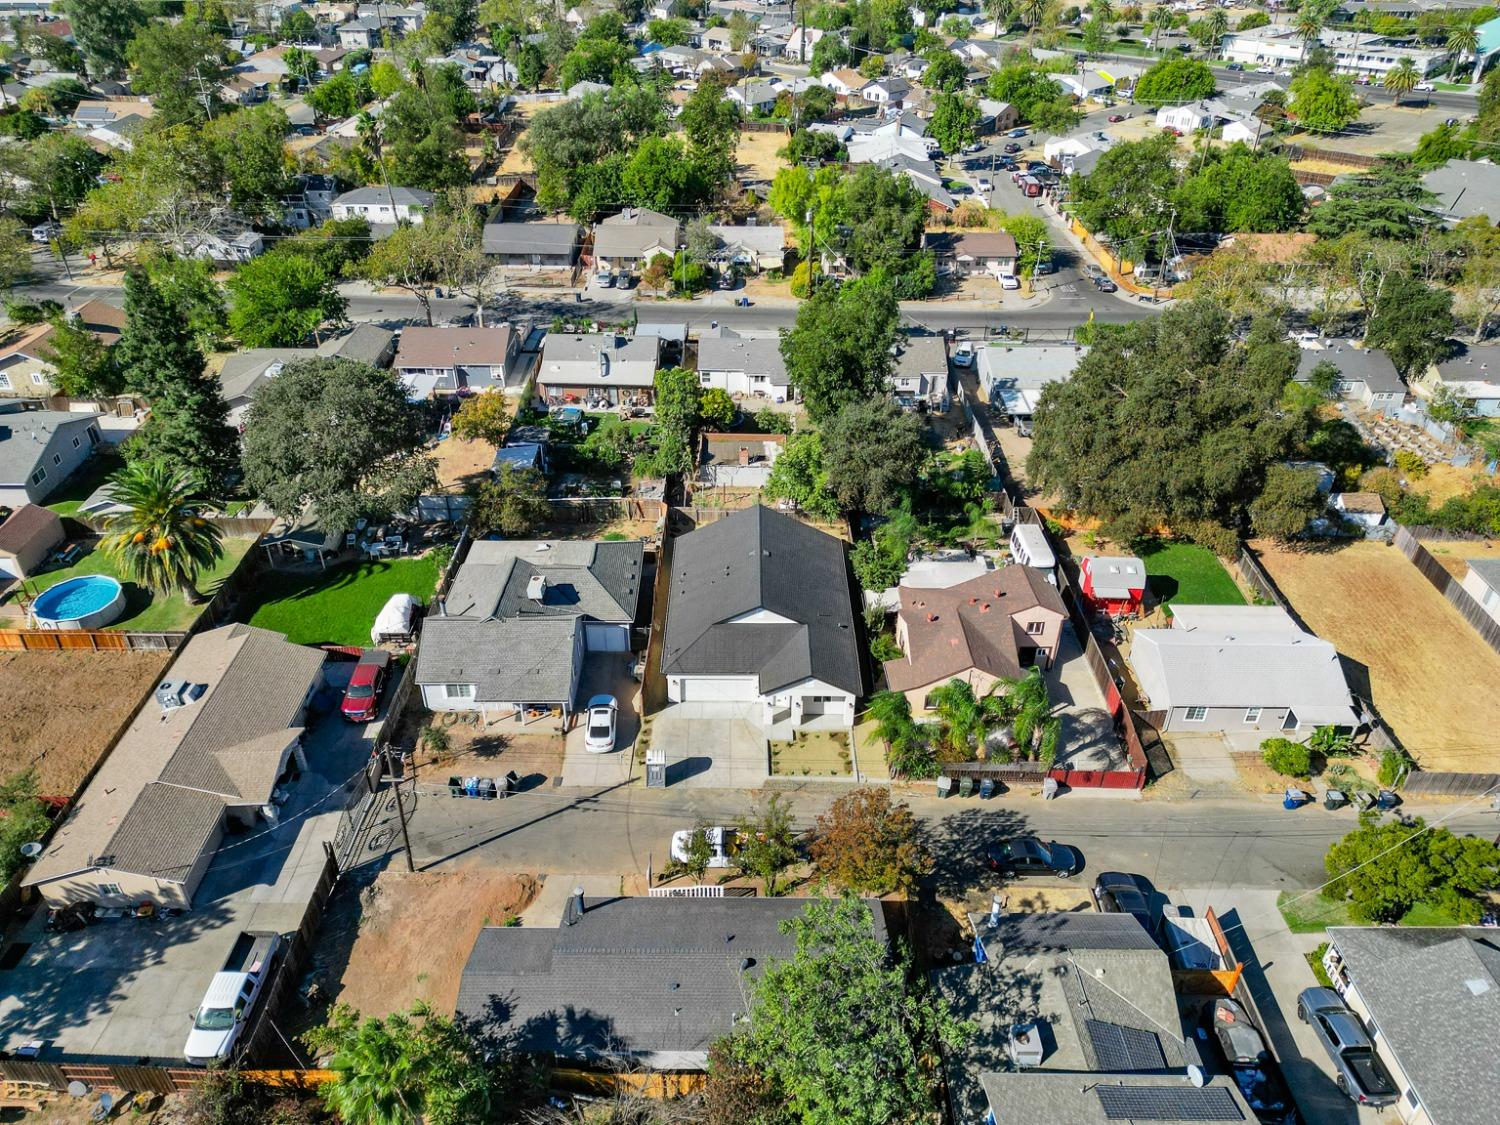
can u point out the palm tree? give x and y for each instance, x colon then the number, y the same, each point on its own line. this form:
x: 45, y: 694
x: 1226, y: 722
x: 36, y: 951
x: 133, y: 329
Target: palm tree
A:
x: 1218, y: 27
x: 1400, y: 79
x: 1463, y: 39
x: 963, y: 718
x: 1032, y: 11
x: 161, y: 540
x: 906, y: 750
x: 1160, y: 20
x: 1002, y: 12
x: 1309, y: 26
x: 1102, y: 10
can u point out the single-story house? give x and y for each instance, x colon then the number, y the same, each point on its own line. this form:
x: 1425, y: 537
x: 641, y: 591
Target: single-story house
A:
x: 991, y: 627
x: 1015, y: 376
x: 800, y: 43
x: 223, y: 731
x: 741, y: 365
x: 1473, y: 372
x: 751, y: 96
x: 1481, y: 581
x: 383, y: 208
x: 673, y: 982
x: 632, y: 238
x: 1465, y: 188
x: 1068, y: 152
x: 357, y: 34
x: 364, y: 343
x: 39, y: 449
x: 245, y: 373
x: 753, y: 248
x: 1366, y: 375
x: 760, y: 611
x: 537, y: 246
x: 448, y: 360
x: 886, y: 91
x: 1241, y: 668
x: 231, y: 251
x: 1187, y: 118
x: 921, y: 373
x: 601, y: 368
x: 26, y: 360
x: 1430, y: 996
x: 975, y: 253
x: 1113, y: 584
x: 735, y: 460
x: 845, y: 83
x: 27, y: 538
x: 510, y: 638
x: 1090, y: 84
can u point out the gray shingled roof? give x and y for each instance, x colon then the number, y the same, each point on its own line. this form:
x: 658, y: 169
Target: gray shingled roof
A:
x: 730, y: 351
x: 1487, y: 569
x: 244, y: 373
x: 922, y: 355
x: 760, y: 559
x: 364, y: 343
x: 547, y: 239
x: 1435, y: 995
x: 600, y: 581
x: 654, y: 978
x: 1465, y: 188
x: 25, y: 436
x: 1044, y: 1096
x: 164, y: 832
x: 1370, y: 366
x: 382, y: 196
x: 508, y: 661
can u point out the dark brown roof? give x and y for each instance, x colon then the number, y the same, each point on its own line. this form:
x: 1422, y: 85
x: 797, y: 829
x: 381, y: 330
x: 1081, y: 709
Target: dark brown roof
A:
x: 451, y: 347
x: 25, y: 524
x: 1362, y: 502
x: 968, y: 626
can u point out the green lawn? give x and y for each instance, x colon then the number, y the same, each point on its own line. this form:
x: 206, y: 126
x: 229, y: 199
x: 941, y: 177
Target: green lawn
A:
x: 336, y: 606
x: 69, y: 496
x: 1315, y: 913
x: 146, y: 612
x: 1189, y: 575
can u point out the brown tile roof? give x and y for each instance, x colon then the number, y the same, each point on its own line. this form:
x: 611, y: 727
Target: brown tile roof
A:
x: 164, y: 833
x: 985, y: 244
x: 1362, y: 502
x: 104, y: 321
x: 447, y: 347
x: 967, y: 626
x: 25, y: 524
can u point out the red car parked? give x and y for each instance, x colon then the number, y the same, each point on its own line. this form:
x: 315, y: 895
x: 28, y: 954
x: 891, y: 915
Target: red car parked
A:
x: 362, y: 698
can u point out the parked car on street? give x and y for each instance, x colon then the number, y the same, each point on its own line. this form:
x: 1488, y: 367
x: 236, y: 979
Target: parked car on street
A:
x: 1116, y: 892
x: 1250, y: 1064
x: 1105, y: 285
x: 984, y: 185
x: 1018, y: 133
x: 1235, y: 66
x: 231, y: 996
x: 1424, y: 87
x: 1012, y: 147
x: 46, y: 232
x: 1116, y: 118
x: 1027, y: 855
x: 362, y: 696
x: 963, y: 355
x: 720, y: 839
x: 601, y: 724
x: 1358, y: 1071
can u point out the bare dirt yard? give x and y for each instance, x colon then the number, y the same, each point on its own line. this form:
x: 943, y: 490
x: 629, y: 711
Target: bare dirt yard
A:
x: 461, y: 463
x: 58, y: 710
x: 1429, y: 674
x: 755, y: 157
x: 377, y: 951
x: 1454, y: 554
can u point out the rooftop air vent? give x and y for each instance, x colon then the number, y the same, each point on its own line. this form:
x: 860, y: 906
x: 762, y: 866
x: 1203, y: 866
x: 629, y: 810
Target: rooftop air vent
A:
x: 536, y: 587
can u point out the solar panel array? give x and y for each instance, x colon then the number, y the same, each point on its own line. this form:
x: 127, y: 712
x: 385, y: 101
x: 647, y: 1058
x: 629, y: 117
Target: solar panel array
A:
x: 1167, y: 1103
x: 1124, y: 1048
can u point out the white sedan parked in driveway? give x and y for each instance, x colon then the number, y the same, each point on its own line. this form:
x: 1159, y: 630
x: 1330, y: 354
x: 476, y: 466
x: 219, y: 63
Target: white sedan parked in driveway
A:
x: 599, y: 734
x: 1009, y: 281
x: 720, y: 841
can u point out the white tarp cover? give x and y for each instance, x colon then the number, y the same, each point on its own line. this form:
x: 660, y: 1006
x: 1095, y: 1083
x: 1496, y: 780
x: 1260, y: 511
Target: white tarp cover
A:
x: 394, y: 618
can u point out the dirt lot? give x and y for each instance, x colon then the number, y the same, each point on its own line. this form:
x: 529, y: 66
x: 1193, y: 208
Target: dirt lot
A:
x: 1443, y: 482
x: 536, y: 755
x: 58, y: 710
x: 461, y: 463
x: 756, y: 158
x: 1453, y: 553
x: 377, y: 951
x: 1430, y: 675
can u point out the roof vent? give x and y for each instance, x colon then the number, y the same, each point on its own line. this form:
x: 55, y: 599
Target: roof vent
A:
x: 1477, y: 985
x: 932, y: 617
x: 536, y: 587
x: 985, y: 608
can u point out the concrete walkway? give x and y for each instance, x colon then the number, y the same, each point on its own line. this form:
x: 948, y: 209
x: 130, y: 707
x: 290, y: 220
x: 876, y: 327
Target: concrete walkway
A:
x: 546, y: 910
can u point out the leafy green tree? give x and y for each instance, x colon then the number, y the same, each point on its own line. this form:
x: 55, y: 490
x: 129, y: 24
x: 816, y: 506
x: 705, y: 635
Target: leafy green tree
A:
x: 839, y: 351
x: 1129, y: 194
x: 341, y: 96
x: 162, y: 539
x: 249, y: 144
x: 955, y: 119
x: 181, y: 65
x: 671, y: 32
x: 297, y: 26
x: 1033, y: 240
x: 1234, y: 189
x: 677, y: 393
x: 484, y: 417
x: 462, y: 17
x: 1412, y: 321
x: 1037, y: 98
x: 798, y: 476
x: 103, y: 29
x: 531, y: 67
x: 1384, y: 869
x: 1165, y: 421
x: 514, y: 503
x: 337, y: 437
x: 1288, y: 758
x: 420, y: 134
x: 767, y: 843
x: 188, y: 285
x: 594, y: 60
x: 871, y: 450
x: 697, y: 853
x: 405, y: 1068
x: 411, y: 257
x: 1174, y: 81
x: 1289, y: 500
x: 963, y: 719
x: 816, y: 148
x: 1323, y: 102
x: 875, y: 568
x: 716, y: 408
x: 62, y: 169
x: 82, y: 364
x: 282, y: 298
x: 159, y: 357
x: 23, y: 820
x: 944, y: 72
x: 868, y: 845
x: 844, y: 1030
x: 1387, y: 201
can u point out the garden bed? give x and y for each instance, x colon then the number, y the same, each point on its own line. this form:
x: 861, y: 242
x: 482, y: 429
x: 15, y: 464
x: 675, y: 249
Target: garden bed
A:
x: 812, y: 754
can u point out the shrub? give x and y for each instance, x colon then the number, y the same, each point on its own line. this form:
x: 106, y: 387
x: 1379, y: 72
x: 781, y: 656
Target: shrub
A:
x: 1411, y: 464
x: 1392, y: 762
x: 768, y: 421
x: 883, y: 647
x: 1288, y: 758
x: 801, y: 280
x: 436, y: 741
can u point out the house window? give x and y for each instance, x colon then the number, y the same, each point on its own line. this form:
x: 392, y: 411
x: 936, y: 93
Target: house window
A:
x: 4, y: 381
x: 1195, y: 715
x: 36, y: 377
x: 39, y: 476
x: 459, y: 691
x: 76, y: 443
x: 929, y: 703
x: 1252, y: 715
x: 1036, y: 628
x: 757, y: 378
x: 707, y: 377
x: 110, y: 889
x: 57, y: 458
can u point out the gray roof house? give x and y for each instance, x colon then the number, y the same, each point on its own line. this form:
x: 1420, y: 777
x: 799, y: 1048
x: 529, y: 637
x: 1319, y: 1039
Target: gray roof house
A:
x: 364, y: 343
x: 533, y: 245
x: 383, y: 207
x: 39, y: 449
x: 743, y: 365
x: 760, y: 612
x: 655, y: 981
x: 245, y: 373
x: 921, y: 370
x: 449, y: 360
x: 1473, y: 371
x: 1015, y: 376
x: 1241, y: 668
x: 599, y: 368
x: 226, y: 722
x: 1434, y: 994
x: 1366, y: 375
x: 510, y: 638
x: 633, y: 237
x: 1482, y: 583
x: 1465, y: 188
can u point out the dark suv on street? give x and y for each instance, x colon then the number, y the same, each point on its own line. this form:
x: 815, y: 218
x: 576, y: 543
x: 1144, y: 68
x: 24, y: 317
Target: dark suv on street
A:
x: 1026, y: 855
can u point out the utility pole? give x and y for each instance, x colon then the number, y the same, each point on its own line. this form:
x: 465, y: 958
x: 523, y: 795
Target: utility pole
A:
x: 390, y: 767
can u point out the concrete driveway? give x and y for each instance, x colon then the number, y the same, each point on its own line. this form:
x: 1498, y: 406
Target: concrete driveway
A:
x: 1203, y: 757
x: 712, y: 745
x: 604, y: 673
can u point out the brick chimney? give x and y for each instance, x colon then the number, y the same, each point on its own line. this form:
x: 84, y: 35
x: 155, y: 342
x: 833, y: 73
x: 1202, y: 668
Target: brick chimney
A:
x: 744, y: 455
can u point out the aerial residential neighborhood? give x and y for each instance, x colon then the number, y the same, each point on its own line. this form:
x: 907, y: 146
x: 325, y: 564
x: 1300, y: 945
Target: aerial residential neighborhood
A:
x: 731, y: 562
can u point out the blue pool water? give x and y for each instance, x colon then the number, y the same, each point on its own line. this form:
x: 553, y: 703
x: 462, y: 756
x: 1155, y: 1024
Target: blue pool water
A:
x: 77, y: 597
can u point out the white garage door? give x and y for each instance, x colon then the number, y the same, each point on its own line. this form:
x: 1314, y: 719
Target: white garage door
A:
x: 738, y: 689
x: 606, y: 638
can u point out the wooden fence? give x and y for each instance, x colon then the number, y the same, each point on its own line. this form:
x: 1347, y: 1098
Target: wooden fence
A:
x: 653, y: 683
x: 87, y: 640
x: 1450, y: 587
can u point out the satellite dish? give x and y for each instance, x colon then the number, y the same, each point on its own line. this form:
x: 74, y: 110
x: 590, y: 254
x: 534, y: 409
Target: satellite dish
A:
x: 78, y: 1089
x: 31, y: 850
x: 1196, y: 1076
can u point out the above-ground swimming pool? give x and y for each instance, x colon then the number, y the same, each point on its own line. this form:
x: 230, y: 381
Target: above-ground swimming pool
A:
x: 89, y: 602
